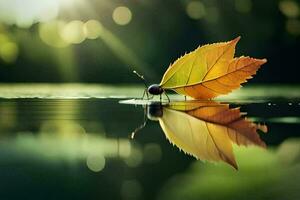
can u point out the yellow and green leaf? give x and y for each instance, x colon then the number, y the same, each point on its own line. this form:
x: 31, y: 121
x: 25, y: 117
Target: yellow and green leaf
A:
x: 210, y: 71
x: 207, y: 130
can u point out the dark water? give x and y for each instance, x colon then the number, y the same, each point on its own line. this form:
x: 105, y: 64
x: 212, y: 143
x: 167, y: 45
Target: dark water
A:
x: 73, y: 142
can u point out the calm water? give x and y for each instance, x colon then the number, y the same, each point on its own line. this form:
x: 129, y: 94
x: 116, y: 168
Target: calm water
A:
x: 73, y: 142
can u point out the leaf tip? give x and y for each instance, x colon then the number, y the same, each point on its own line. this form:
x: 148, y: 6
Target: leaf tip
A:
x: 262, y: 127
x: 264, y: 60
x: 234, y: 165
x: 230, y: 160
x: 235, y: 40
x: 236, y: 168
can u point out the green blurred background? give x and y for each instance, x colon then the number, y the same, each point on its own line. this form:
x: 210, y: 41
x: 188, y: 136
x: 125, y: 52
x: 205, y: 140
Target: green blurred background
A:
x: 71, y: 141
x: 102, y: 41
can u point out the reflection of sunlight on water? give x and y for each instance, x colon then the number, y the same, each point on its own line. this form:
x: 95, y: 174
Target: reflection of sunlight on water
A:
x: 283, y: 120
x: 73, y: 147
x: 62, y: 129
x: 95, y: 162
x: 135, y: 158
x: 64, y: 140
x: 68, y: 141
x: 8, y: 113
x: 287, y: 120
x: 152, y: 153
x: 124, y: 148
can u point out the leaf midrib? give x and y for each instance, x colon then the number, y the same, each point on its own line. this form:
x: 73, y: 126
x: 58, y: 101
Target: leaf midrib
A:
x: 180, y: 86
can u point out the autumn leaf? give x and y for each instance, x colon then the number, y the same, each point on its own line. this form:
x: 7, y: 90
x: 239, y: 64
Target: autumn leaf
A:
x: 204, y: 129
x: 209, y: 71
x: 207, y: 130
x: 203, y: 140
x: 241, y: 130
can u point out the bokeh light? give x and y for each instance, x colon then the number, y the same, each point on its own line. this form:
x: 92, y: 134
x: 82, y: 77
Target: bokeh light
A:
x: 92, y: 29
x: 50, y: 33
x: 8, y: 115
x: 152, y: 153
x: 293, y: 26
x: 131, y: 189
x: 73, y: 32
x: 9, y: 51
x: 66, y: 137
x: 195, y: 9
x: 124, y: 147
x: 291, y: 148
x: 122, y: 15
x: 68, y: 129
x: 289, y: 8
x: 135, y: 158
x: 95, y: 162
x: 244, y: 6
x: 213, y: 14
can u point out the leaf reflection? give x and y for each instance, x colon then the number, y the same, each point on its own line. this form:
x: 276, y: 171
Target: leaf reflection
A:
x: 206, y: 130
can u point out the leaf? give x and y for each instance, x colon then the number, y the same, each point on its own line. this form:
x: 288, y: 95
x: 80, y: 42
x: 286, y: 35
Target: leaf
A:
x: 240, y: 129
x: 203, y: 140
x: 210, y: 71
x: 207, y: 130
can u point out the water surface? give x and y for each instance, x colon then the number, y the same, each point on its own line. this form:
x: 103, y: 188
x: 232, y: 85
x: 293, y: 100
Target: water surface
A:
x: 72, y: 141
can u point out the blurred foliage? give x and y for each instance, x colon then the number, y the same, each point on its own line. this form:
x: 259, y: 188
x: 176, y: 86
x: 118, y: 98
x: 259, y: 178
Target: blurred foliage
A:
x: 103, y: 41
x: 263, y: 175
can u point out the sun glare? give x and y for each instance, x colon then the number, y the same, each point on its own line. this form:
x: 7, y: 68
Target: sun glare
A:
x: 62, y: 23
